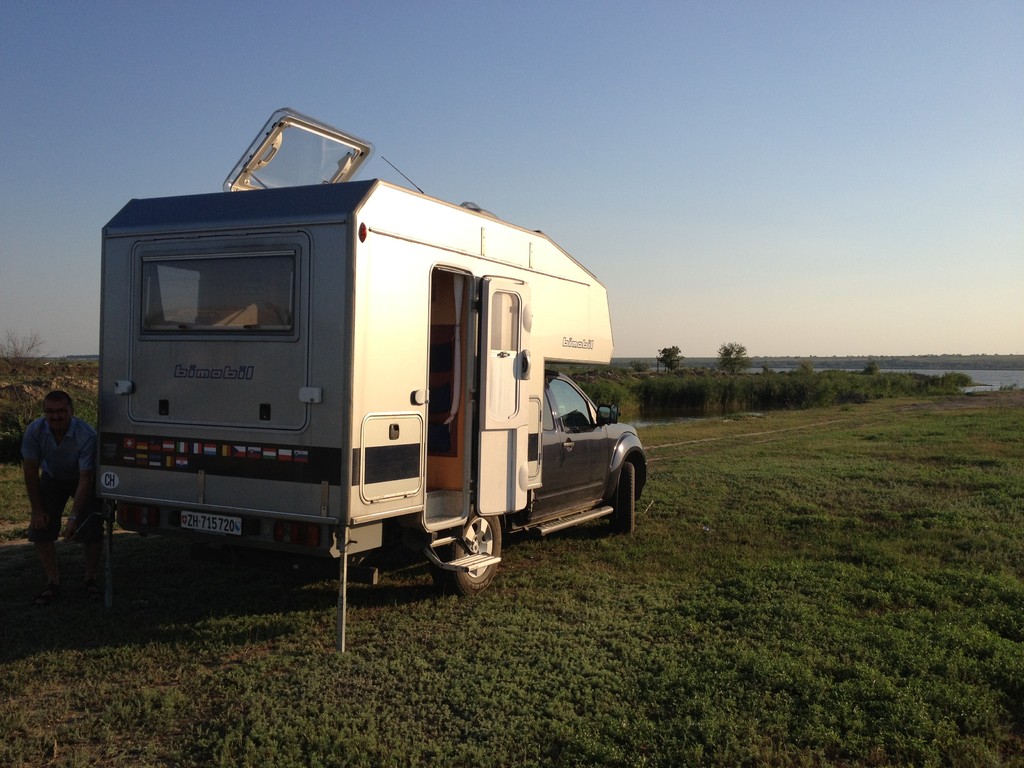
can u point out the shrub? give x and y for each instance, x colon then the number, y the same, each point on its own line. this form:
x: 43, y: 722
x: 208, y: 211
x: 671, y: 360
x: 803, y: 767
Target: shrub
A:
x: 669, y: 357
x: 602, y: 390
x: 700, y: 392
x: 732, y: 358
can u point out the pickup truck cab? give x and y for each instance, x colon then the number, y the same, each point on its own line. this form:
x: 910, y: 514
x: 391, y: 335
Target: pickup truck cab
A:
x: 593, y: 466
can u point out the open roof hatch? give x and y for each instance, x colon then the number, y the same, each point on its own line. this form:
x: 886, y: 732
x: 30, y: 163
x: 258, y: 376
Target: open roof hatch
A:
x: 311, y: 153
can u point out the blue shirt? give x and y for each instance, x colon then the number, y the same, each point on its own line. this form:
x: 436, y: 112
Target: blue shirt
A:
x: 75, y: 453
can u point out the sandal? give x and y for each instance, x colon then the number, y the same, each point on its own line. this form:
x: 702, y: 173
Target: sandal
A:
x: 92, y: 589
x: 48, y: 595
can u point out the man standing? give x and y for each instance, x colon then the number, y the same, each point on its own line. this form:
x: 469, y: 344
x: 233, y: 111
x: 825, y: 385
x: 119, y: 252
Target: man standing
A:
x: 59, y: 458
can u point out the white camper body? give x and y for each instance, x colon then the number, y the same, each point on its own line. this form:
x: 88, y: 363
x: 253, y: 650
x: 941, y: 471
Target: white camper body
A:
x: 321, y: 368
x: 291, y: 368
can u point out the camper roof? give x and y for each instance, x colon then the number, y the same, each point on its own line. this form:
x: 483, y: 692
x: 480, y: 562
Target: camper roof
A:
x: 295, y: 150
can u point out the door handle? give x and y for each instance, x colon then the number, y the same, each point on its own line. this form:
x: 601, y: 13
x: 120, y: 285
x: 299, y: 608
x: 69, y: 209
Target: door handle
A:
x: 568, y: 445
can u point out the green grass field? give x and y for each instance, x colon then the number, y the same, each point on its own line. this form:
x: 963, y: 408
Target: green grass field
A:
x: 836, y: 586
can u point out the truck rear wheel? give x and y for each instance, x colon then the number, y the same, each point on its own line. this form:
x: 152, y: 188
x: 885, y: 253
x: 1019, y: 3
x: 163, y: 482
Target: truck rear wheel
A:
x: 481, y: 536
x: 624, y: 518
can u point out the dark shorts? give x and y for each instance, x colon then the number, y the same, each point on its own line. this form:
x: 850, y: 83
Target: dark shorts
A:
x: 55, y: 496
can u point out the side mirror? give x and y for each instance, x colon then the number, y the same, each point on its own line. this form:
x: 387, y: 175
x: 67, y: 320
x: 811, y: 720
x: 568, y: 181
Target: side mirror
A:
x: 607, y: 414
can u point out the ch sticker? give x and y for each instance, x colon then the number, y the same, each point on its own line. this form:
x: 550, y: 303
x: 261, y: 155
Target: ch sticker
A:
x: 109, y: 481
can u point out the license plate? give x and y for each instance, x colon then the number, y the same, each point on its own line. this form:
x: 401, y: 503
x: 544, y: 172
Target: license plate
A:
x: 207, y: 523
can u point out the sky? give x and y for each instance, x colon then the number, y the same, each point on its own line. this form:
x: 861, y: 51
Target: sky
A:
x: 804, y: 178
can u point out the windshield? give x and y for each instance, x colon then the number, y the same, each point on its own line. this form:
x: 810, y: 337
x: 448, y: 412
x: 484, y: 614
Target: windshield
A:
x: 292, y: 150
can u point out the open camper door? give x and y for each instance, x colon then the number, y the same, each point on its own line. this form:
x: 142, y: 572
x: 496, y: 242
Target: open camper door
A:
x: 503, y: 469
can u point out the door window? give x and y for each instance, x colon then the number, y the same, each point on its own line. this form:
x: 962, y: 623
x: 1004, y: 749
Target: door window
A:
x: 503, y: 349
x: 571, y: 406
x: 504, y: 322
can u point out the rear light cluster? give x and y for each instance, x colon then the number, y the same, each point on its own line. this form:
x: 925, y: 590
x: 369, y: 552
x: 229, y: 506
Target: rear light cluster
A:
x: 306, y: 534
x: 136, y: 514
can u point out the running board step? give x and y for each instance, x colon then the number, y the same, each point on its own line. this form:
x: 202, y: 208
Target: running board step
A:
x: 574, y: 519
x: 465, y: 564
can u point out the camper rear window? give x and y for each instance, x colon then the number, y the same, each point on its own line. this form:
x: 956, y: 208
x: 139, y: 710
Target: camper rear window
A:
x: 225, y: 294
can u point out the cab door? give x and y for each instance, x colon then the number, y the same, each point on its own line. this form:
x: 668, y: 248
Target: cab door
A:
x: 503, y: 463
x: 576, y: 452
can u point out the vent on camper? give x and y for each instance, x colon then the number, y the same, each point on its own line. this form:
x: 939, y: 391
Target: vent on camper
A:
x: 293, y: 149
x: 471, y: 206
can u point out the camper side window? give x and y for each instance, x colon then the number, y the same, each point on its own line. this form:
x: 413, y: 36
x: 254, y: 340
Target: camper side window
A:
x: 219, y: 294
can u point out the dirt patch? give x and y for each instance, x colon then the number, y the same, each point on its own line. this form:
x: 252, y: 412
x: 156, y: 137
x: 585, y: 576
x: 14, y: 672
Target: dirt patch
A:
x: 11, y: 549
x: 31, y: 387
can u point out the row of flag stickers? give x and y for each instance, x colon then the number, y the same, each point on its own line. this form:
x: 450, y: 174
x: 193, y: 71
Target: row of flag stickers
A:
x: 155, y: 453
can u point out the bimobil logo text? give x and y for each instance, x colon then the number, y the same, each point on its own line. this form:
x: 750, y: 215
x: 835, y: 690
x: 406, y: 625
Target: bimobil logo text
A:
x: 569, y: 341
x: 239, y: 373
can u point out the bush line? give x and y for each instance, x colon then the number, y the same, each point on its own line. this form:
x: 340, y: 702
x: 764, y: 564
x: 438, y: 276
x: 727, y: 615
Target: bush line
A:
x: 698, y: 391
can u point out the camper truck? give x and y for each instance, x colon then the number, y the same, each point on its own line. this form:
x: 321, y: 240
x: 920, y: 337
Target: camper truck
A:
x: 310, y: 364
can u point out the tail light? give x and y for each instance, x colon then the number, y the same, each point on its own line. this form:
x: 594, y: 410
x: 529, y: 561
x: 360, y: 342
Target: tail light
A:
x: 304, y: 534
x: 137, y: 514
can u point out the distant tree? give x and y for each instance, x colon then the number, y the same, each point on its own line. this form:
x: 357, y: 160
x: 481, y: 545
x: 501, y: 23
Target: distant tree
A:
x: 17, y: 350
x: 640, y: 366
x: 871, y: 368
x: 670, y: 357
x: 732, y: 357
x: 806, y: 367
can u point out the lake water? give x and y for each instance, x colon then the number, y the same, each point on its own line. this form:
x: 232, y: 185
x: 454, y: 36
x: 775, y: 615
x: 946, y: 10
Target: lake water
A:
x: 987, y: 380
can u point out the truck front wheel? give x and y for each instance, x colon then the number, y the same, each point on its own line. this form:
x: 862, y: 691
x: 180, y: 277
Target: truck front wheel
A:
x: 624, y: 518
